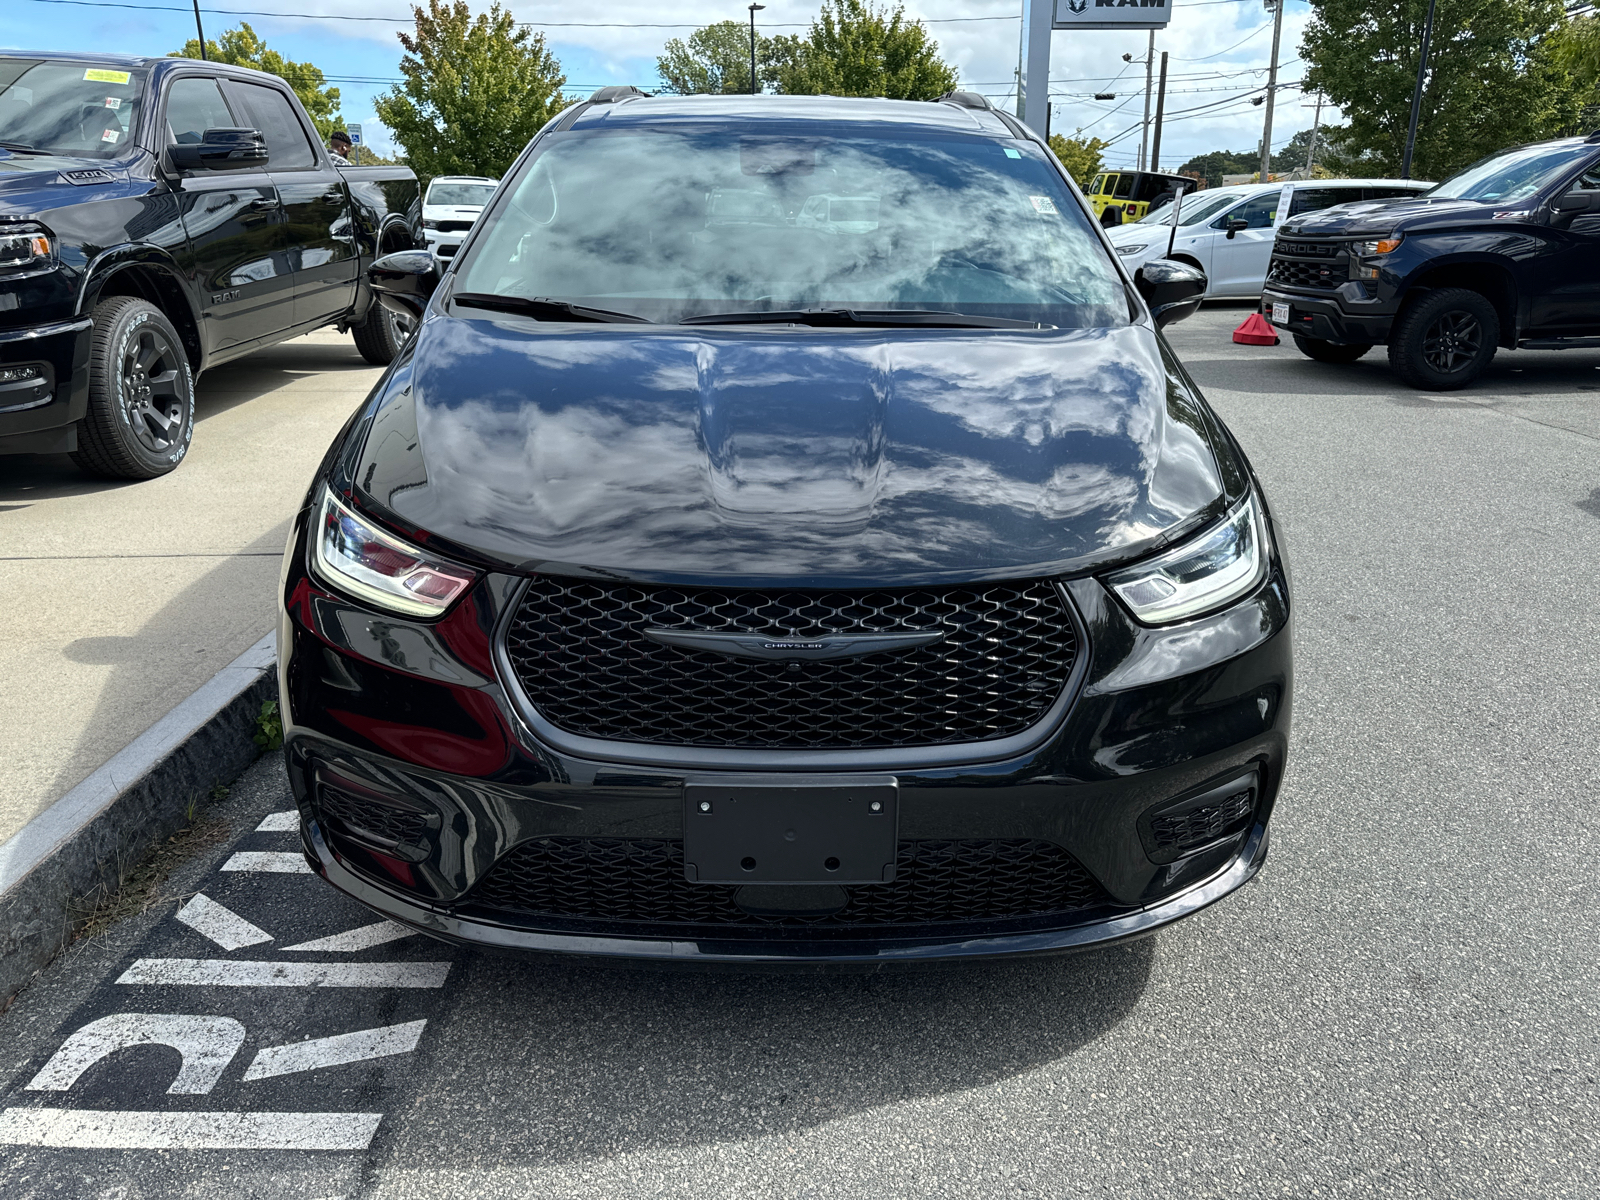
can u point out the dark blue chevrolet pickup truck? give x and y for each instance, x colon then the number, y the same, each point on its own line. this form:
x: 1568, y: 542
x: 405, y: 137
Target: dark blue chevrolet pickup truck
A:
x: 159, y: 216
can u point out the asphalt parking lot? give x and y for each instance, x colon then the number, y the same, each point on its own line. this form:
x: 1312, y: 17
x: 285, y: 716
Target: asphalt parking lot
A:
x: 1404, y: 1003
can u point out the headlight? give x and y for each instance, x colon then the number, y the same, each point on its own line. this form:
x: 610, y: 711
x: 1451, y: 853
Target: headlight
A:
x: 429, y: 223
x: 375, y: 566
x: 26, y: 248
x: 1134, y: 249
x: 1207, y: 572
x: 1386, y: 245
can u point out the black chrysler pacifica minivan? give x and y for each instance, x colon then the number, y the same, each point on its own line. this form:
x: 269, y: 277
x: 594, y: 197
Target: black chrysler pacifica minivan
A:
x: 786, y: 538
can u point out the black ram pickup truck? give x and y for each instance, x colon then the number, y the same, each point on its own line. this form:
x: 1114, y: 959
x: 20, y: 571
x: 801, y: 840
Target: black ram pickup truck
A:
x: 1505, y: 253
x: 159, y: 216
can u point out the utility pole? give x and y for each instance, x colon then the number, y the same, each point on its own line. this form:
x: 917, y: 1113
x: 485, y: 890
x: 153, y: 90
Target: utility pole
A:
x: 1416, y: 96
x: 1316, y: 128
x: 1161, y: 108
x: 1272, y: 88
x: 1149, y: 66
x: 198, y: 28
x: 754, y: 9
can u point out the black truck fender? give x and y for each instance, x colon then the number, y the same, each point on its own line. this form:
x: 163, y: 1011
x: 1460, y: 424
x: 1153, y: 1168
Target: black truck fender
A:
x: 152, y: 274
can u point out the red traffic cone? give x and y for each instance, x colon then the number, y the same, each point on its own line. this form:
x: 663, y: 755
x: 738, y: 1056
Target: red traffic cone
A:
x: 1255, y: 332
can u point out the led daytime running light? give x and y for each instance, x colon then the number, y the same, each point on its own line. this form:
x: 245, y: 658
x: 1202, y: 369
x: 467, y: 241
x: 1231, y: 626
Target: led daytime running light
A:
x: 1206, y: 573
x: 361, y: 559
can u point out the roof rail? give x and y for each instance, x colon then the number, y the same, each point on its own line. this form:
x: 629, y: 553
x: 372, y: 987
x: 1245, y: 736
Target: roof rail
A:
x: 616, y: 93
x: 965, y: 100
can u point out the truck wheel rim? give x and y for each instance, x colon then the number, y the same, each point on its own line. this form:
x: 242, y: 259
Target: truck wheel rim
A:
x: 1452, y: 342
x: 152, y: 396
x: 401, y: 327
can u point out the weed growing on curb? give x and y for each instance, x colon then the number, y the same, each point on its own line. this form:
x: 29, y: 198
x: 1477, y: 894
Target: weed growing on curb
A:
x: 95, y: 912
x: 269, y: 726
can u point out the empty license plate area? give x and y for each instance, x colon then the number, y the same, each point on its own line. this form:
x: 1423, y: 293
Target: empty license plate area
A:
x: 790, y: 833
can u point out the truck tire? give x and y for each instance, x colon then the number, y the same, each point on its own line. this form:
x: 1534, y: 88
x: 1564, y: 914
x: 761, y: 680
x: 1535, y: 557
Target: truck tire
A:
x: 1445, y: 339
x: 1330, y: 352
x: 141, y: 394
x: 381, y: 335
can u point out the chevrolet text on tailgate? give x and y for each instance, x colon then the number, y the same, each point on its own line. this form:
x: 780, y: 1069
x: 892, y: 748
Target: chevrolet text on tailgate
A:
x: 159, y: 216
x: 1503, y: 254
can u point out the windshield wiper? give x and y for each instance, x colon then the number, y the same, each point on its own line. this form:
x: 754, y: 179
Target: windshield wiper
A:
x: 929, y: 318
x: 22, y: 148
x: 542, y: 308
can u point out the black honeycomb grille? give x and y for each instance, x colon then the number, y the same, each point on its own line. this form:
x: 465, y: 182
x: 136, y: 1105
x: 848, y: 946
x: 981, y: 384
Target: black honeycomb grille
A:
x: 579, y: 652
x: 640, y: 881
x: 362, y: 815
x: 1290, y: 273
x: 1188, y: 830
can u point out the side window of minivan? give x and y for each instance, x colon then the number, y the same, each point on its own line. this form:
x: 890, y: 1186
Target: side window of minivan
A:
x: 1258, y: 212
x: 1311, y: 199
x: 1389, y: 193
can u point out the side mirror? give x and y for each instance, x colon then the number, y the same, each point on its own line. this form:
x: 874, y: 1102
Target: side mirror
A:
x: 404, y: 281
x: 1234, y: 225
x: 1172, y: 289
x: 221, y: 150
x: 1576, y: 202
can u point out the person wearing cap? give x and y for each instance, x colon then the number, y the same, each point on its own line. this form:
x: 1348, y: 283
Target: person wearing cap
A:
x: 339, y: 146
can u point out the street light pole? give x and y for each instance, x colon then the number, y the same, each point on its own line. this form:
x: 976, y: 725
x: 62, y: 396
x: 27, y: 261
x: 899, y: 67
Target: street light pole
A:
x: 1416, y: 96
x: 199, y: 29
x: 754, y: 9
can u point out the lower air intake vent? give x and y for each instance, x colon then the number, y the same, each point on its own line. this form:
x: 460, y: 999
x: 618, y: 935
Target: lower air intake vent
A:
x: 639, y: 882
x: 1175, y: 830
x: 362, y: 815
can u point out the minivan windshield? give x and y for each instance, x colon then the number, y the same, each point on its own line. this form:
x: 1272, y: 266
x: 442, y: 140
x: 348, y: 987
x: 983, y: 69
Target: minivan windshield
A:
x: 670, y: 223
x: 1512, y: 174
x: 459, y: 195
x: 1195, y: 209
x: 79, y: 109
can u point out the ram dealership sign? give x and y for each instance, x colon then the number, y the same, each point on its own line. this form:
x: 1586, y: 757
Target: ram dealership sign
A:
x: 1112, y: 14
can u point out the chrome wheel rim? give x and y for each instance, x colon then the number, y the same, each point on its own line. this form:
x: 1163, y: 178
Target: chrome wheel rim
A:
x: 400, y: 328
x: 1452, y: 341
x: 153, y: 404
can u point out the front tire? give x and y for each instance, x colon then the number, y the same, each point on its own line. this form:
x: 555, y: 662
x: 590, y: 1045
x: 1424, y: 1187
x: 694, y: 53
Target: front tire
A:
x: 382, y: 334
x: 141, y: 394
x: 1445, y: 340
x: 1330, y: 352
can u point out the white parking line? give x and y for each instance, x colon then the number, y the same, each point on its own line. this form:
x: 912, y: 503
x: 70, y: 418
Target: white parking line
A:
x: 279, y: 822
x: 336, y: 1050
x: 217, y: 972
x: 358, y: 939
x: 221, y: 924
x: 88, y: 1129
x: 207, y: 1045
x: 290, y: 862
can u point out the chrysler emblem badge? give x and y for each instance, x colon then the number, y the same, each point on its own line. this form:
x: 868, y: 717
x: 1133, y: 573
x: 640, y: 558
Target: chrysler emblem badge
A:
x: 746, y: 645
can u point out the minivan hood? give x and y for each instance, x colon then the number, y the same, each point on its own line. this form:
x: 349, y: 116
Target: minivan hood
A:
x: 677, y: 455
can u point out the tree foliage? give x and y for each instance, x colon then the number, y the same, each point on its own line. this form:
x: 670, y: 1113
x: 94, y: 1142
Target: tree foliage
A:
x: 1082, y: 157
x: 242, y: 47
x: 854, y: 48
x: 476, y: 90
x: 716, y: 60
x: 1493, y: 80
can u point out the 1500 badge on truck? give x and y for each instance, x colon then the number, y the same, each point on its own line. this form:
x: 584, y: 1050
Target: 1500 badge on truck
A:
x: 1505, y: 253
x: 158, y: 217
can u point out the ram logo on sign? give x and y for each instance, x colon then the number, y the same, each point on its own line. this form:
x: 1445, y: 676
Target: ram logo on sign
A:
x: 1112, y: 14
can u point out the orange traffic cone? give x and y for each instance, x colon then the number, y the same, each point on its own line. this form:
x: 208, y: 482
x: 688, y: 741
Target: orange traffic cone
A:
x: 1255, y: 332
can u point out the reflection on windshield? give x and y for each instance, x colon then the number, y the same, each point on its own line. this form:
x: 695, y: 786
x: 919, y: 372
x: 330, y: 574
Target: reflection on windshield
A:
x: 1195, y: 210
x: 719, y: 222
x: 67, y: 108
x: 460, y: 195
x: 1514, y: 175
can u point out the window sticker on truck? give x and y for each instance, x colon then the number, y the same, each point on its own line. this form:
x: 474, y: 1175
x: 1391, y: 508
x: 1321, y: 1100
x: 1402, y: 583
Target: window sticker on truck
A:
x: 97, y: 75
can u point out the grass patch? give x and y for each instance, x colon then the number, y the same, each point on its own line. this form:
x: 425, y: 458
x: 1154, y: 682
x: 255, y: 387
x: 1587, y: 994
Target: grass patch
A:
x: 140, y: 888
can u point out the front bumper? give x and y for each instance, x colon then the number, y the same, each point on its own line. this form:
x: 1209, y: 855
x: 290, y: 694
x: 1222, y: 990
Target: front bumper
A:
x: 445, y: 244
x: 418, y: 715
x: 40, y: 418
x: 1328, y: 318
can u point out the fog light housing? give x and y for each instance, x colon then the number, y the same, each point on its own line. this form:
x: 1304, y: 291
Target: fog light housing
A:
x: 20, y: 374
x: 1218, y: 812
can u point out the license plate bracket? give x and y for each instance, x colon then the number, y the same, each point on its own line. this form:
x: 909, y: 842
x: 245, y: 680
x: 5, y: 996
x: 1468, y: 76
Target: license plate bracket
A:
x: 1280, y: 313
x: 785, y: 832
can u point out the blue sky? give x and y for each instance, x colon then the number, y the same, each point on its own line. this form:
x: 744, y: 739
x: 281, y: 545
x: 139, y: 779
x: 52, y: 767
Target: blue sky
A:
x: 979, y: 36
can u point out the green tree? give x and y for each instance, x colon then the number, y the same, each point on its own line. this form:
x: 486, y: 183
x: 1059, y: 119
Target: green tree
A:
x: 856, y: 49
x: 1493, y: 80
x: 1213, y: 166
x: 1576, y: 48
x: 716, y: 60
x: 1081, y: 157
x: 243, y: 48
x: 476, y: 90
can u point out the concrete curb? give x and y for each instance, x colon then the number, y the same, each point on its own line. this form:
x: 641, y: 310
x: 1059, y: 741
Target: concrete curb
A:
x: 139, y: 796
